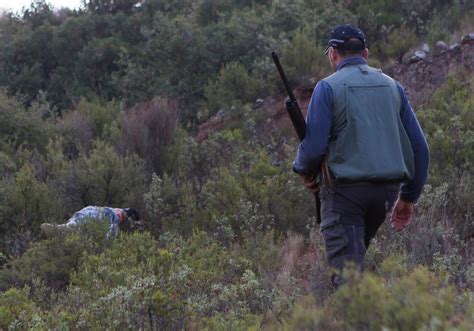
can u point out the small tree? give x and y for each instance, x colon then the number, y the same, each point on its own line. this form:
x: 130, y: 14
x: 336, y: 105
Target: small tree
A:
x: 106, y: 178
x: 302, y: 57
x: 233, y: 85
x: 399, y: 42
x: 28, y: 202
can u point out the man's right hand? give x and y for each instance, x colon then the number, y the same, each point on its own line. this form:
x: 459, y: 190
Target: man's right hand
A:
x: 402, y: 214
x: 310, y: 182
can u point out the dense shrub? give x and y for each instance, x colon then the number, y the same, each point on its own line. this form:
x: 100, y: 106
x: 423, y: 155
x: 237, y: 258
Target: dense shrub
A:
x: 170, y: 205
x: 134, y: 282
x: 407, y: 303
x: 132, y: 53
x: 415, y: 300
x: 303, y: 58
x: 397, y: 42
x: 78, y: 131
x: 241, y: 192
x: 13, y: 303
x: 448, y: 122
x: 100, y: 114
x: 104, y: 178
x: 26, y: 202
x: 232, y: 87
x: 52, y: 261
x: 22, y: 129
x: 218, y: 252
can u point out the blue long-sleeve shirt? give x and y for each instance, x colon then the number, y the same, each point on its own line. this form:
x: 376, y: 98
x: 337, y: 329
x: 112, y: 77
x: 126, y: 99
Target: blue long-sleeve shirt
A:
x: 319, y: 121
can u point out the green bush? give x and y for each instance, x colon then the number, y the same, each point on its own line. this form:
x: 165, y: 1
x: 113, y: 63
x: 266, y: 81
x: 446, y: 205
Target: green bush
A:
x: 410, y: 302
x: 232, y: 87
x: 170, y: 205
x: 32, y: 200
x: 222, y: 193
x: 22, y: 128
x: 128, y: 285
x: 105, y: 178
x: 245, y: 185
x: 51, y: 261
x: 397, y: 43
x: 135, y: 284
x: 25, y: 203
x: 417, y: 300
x: 303, y: 58
x: 306, y: 316
x: 229, y: 321
x: 99, y: 113
x: 216, y: 255
x: 448, y: 122
x: 13, y: 303
x: 134, y: 255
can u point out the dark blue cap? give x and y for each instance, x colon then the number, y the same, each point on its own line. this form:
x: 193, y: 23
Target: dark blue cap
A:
x: 340, y: 36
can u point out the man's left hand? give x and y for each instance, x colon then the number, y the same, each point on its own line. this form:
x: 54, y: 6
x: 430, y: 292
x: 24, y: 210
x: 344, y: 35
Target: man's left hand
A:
x: 402, y: 214
x: 310, y: 182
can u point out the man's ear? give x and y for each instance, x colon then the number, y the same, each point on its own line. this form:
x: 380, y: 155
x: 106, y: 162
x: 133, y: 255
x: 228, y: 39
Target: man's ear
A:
x: 333, y: 54
x: 365, y: 54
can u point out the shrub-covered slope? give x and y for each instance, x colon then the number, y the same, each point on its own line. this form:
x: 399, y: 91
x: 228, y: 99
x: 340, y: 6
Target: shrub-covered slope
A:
x: 98, y: 108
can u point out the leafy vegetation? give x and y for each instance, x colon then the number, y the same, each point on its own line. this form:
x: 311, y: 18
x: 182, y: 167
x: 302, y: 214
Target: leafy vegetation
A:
x: 99, y: 107
x: 133, y: 51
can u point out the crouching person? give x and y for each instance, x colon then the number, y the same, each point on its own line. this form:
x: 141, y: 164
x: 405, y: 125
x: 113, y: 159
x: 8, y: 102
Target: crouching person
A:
x: 120, y: 219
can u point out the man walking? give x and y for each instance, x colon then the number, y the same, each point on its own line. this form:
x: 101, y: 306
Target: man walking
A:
x: 360, y: 122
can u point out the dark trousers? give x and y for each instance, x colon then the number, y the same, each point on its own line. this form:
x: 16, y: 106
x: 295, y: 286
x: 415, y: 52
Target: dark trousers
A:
x: 351, y: 215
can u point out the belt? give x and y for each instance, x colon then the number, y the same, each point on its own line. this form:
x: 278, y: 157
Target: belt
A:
x: 365, y: 182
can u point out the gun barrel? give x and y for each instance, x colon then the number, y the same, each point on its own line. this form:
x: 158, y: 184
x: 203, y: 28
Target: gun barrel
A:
x: 283, y: 77
x: 294, y: 112
x: 297, y: 119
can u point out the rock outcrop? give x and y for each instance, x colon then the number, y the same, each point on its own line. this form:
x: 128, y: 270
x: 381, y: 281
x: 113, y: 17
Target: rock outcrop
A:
x: 422, y: 78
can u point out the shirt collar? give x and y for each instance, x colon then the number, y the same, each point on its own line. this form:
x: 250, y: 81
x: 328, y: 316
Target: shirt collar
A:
x: 350, y: 61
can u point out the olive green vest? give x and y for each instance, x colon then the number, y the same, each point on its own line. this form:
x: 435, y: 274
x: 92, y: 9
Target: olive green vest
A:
x: 367, y: 140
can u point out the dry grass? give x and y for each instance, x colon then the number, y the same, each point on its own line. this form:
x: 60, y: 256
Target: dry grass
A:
x: 291, y: 252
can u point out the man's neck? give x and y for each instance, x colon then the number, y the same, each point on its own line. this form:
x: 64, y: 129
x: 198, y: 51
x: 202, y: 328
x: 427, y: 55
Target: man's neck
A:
x: 350, y: 61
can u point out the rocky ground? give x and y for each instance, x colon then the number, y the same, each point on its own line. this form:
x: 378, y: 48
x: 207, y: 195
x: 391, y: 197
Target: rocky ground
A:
x: 423, y: 77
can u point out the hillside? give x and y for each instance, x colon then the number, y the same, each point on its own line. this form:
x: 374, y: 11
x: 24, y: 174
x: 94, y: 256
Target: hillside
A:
x: 174, y: 109
x: 420, y: 79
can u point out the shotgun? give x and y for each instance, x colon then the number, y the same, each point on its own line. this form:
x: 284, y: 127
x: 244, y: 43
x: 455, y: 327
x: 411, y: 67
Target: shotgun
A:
x: 297, y: 119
